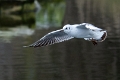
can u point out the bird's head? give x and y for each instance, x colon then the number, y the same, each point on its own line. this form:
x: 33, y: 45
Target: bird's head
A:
x: 67, y: 28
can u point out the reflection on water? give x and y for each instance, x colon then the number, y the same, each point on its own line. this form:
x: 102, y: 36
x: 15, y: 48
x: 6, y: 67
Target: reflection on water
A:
x: 50, y: 15
x: 23, y: 31
x: 71, y: 60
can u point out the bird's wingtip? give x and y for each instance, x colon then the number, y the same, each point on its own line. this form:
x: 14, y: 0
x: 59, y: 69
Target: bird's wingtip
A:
x: 25, y: 46
x: 29, y: 46
x: 104, y: 36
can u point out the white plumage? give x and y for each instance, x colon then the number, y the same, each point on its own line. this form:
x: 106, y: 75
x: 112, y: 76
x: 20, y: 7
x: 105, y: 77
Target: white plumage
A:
x: 85, y: 30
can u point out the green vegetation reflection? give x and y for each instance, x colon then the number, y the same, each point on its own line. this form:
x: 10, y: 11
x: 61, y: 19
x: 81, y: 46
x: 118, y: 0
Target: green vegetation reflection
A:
x: 51, y: 14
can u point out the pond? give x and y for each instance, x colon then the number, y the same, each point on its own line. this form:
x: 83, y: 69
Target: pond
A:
x: 75, y: 59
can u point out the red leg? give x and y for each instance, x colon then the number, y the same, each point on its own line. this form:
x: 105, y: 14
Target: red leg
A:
x: 94, y: 42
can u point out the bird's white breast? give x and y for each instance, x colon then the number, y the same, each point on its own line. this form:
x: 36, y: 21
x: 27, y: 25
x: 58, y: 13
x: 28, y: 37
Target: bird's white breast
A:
x: 79, y: 33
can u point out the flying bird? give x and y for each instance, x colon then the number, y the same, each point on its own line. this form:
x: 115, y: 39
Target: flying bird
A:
x: 84, y: 30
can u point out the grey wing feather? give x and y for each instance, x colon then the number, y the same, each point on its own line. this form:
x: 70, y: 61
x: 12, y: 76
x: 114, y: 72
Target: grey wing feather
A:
x: 81, y: 26
x: 51, y: 38
x: 88, y: 26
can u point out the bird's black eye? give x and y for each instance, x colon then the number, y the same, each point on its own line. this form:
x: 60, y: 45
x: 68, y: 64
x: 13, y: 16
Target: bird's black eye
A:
x: 66, y: 28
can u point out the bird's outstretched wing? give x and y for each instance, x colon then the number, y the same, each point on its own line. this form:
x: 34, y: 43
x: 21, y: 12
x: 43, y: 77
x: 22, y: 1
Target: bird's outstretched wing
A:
x: 88, y: 26
x: 51, y: 38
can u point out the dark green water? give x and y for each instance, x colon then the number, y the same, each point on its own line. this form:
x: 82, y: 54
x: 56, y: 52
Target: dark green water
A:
x: 75, y: 59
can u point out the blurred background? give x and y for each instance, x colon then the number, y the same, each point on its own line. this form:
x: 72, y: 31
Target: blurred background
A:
x: 23, y: 22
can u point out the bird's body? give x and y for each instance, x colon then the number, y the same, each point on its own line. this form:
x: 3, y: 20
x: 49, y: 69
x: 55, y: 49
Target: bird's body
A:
x: 84, y: 30
x: 80, y: 33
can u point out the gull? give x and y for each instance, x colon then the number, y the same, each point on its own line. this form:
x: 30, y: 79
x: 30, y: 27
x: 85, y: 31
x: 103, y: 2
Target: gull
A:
x: 84, y: 30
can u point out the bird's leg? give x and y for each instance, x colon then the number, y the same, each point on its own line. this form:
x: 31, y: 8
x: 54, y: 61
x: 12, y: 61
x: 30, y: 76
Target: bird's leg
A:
x: 94, y: 41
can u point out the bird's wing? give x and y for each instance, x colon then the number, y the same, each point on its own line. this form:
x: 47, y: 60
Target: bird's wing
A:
x: 102, y: 36
x: 92, y: 27
x: 88, y: 26
x: 51, y: 38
